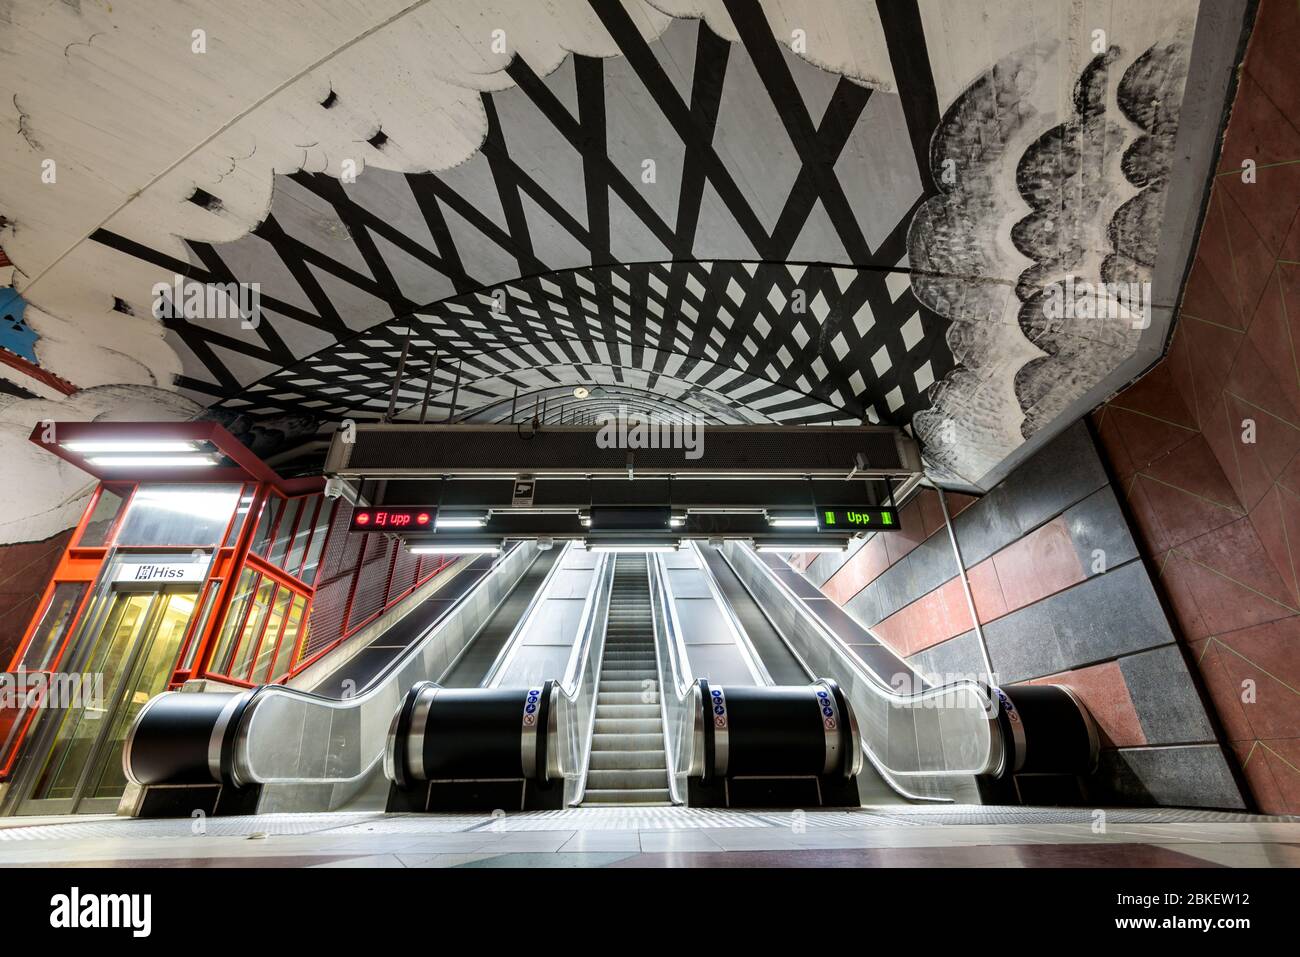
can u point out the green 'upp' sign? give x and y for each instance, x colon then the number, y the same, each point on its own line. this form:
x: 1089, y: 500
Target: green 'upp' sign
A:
x: 854, y: 518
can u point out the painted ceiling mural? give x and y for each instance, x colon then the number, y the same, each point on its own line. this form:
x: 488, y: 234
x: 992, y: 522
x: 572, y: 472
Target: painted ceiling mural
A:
x: 784, y: 212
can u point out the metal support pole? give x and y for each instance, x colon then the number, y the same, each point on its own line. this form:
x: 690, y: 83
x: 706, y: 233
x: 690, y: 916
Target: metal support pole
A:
x: 397, y: 379
x: 513, y: 404
x: 428, y: 387
x: 965, y: 586
x: 455, y: 391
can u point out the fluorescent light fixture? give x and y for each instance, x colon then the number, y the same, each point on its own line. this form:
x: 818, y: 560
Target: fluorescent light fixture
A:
x: 792, y: 522
x: 151, y: 461
x: 129, y: 445
x: 455, y: 549
x: 677, y: 521
x: 625, y: 549
x: 474, y: 522
x: 797, y: 547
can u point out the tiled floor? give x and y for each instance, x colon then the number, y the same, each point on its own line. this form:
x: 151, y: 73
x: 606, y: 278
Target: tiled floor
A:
x: 667, y: 837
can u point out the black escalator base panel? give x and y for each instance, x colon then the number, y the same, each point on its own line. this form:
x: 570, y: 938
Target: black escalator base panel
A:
x: 509, y: 794
x: 791, y: 792
x: 214, y: 800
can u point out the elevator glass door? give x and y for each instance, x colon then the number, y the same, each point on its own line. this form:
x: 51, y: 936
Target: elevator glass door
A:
x: 131, y: 657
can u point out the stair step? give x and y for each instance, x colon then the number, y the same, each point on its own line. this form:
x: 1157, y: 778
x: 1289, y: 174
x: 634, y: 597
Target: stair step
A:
x: 644, y: 712
x: 635, y: 685
x: 630, y: 725
x: 627, y: 779
x: 627, y: 760
x: 614, y: 798
x: 627, y: 697
x: 627, y: 741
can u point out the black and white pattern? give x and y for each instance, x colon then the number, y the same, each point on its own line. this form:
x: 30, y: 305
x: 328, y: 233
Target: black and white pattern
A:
x: 735, y: 342
x: 776, y: 186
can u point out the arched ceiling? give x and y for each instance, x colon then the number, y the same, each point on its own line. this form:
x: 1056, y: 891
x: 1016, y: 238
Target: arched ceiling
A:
x: 785, y: 212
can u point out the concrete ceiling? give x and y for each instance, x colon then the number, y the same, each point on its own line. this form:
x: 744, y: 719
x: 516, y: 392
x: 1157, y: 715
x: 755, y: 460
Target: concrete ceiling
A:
x: 786, y: 211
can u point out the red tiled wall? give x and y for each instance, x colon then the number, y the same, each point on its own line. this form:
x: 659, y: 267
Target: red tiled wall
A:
x: 25, y: 570
x: 1220, y: 516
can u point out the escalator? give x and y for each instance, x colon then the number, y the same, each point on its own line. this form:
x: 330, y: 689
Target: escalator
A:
x: 961, y: 741
x: 474, y: 666
x: 285, y: 749
x: 779, y: 660
x: 627, y: 763
x: 782, y: 664
x: 367, y: 665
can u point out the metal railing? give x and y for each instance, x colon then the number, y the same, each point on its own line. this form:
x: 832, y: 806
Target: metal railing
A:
x: 678, y: 693
x: 291, y: 737
x: 927, y: 744
x: 573, y: 707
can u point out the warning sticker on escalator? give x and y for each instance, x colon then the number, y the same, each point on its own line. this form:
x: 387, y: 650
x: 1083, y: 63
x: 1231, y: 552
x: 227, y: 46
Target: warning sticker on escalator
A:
x: 827, y: 705
x: 719, y: 703
x: 531, y: 702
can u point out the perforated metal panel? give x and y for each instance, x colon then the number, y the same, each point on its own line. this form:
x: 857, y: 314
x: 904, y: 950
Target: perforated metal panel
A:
x: 466, y: 450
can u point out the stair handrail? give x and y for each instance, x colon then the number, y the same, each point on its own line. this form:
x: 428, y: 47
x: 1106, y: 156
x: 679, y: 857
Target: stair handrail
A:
x: 572, y: 718
x: 381, y: 697
x: 865, y: 688
x: 681, y: 713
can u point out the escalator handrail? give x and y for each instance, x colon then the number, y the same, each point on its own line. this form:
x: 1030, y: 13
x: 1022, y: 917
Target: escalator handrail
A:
x: 683, y: 687
x: 659, y: 623
x: 892, y: 695
x: 570, y: 684
x: 870, y: 756
x: 522, y: 624
x: 680, y: 657
x: 376, y: 682
x: 747, y: 651
x: 861, y: 668
x: 376, y: 686
x: 595, y: 619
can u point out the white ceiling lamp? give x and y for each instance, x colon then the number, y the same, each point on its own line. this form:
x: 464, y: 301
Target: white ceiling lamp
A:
x: 581, y: 392
x: 630, y: 548
x: 129, y: 446
x: 151, y: 461
x: 461, y: 521
x: 455, y: 550
x: 798, y: 547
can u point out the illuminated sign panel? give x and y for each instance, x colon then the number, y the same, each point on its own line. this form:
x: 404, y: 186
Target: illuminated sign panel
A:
x: 398, y: 518
x: 855, y: 518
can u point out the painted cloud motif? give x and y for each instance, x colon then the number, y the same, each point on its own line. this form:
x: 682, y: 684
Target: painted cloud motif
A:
x: 1093, y: 187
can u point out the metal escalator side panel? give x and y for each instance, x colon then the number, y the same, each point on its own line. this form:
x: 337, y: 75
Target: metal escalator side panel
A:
x: 780, y: 662
x: 927, y: 744
x: 294, y: 737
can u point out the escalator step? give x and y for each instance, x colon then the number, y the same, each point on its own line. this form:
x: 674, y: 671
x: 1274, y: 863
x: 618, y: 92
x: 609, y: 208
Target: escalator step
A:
x: 624, y: 698
x: 637, y: 685
x: 627, y: 742
x: 635, y: 712
x: 627, y: 760
x: 615, y: 798
x: 627, y: 779
x: 630, y: 725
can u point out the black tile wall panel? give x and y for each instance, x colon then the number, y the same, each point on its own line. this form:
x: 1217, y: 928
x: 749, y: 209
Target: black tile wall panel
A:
x: 1106, y: 616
